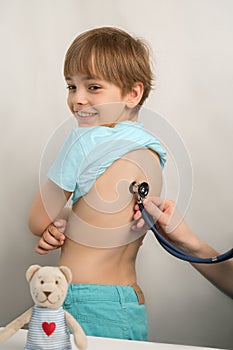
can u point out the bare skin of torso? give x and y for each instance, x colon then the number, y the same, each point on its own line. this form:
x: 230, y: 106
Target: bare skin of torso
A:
x: 109, y: 204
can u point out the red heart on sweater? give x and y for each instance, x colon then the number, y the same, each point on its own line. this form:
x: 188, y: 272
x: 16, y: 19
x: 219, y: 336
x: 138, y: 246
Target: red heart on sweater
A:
x: 48, y: 328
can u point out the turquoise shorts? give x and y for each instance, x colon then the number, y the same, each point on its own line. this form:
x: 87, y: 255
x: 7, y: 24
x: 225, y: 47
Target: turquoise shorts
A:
x: 108, y: 310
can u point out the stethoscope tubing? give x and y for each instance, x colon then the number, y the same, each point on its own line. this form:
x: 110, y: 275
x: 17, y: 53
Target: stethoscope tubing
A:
x: 178, y: 253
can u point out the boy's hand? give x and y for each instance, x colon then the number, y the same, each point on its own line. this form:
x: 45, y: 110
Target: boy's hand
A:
x: 53, y: 237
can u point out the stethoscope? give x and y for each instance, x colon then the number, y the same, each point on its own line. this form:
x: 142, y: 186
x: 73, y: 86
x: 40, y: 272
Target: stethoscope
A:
x: 143, y: 190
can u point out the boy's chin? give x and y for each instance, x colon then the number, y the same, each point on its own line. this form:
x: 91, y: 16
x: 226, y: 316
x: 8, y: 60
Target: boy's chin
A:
x: 87, y: 121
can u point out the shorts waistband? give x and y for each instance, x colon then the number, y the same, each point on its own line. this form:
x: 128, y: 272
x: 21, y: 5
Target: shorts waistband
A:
x: 103, y: 292
x: 139, y: 293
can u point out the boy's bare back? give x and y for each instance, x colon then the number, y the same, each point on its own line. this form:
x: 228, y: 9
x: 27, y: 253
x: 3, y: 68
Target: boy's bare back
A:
x: 107, y: 211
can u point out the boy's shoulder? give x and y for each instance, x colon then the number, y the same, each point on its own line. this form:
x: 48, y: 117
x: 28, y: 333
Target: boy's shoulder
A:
x: 123, y: 137
x: 126, y: 131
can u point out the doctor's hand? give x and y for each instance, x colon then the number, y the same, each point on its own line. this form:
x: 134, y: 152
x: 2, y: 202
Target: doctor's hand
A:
x: 168, y: 221
x: 52, y: 238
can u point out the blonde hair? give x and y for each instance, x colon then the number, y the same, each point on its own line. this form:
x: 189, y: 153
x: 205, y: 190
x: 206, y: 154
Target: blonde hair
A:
x: 113, y: 55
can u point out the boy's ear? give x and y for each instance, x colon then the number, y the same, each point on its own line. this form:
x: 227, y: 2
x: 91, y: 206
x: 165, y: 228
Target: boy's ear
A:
x: 134, y: 96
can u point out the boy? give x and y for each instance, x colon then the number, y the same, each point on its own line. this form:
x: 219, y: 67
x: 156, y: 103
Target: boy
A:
x: 108, y: 77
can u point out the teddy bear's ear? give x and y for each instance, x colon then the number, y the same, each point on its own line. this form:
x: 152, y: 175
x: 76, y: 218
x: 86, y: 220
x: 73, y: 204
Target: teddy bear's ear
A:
x: 31, y: 270
x: 66, y: 271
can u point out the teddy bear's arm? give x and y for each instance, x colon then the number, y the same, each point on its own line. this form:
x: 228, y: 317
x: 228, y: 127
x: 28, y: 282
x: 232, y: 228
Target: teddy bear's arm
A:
x: 15, y: 325
x: 80, y: 338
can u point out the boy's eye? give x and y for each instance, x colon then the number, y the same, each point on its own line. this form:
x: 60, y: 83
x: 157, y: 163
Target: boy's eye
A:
x: 93, y: 87
x: 71, y: 87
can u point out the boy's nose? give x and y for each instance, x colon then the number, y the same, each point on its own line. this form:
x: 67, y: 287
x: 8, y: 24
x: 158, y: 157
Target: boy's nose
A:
x: 79, y: 98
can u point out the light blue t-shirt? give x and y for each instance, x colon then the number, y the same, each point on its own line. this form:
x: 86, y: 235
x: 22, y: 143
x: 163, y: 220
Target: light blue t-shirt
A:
x: 88, y: 152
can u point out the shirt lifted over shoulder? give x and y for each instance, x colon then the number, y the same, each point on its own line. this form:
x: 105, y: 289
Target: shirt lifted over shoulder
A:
x: 88, y: 152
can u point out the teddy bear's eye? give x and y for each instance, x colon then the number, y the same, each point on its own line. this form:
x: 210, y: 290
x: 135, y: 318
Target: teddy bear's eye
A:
x: 41, y: 282
x: 56, y: 282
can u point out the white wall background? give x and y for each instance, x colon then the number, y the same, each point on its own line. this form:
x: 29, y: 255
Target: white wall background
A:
x: 192, y: 43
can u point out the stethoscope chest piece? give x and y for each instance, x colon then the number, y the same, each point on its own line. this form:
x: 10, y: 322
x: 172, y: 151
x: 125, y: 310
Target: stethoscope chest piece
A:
x: 141, y: 189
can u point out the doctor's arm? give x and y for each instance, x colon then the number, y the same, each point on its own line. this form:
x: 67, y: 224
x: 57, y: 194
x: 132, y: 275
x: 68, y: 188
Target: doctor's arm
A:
x: 47, y: 217
x: 173, y: 227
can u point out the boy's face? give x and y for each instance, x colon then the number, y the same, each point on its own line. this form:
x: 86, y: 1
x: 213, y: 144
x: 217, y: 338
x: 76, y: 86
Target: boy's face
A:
x: 96, y: 102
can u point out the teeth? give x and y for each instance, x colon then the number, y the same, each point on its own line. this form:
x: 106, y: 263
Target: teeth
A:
x: 85, y: 114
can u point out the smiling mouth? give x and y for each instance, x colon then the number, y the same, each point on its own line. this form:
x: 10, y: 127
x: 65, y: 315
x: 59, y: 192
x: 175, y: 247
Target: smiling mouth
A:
x: 82, y: 114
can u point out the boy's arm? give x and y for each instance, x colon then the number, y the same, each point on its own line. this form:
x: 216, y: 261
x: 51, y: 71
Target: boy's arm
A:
x: 46, y: 207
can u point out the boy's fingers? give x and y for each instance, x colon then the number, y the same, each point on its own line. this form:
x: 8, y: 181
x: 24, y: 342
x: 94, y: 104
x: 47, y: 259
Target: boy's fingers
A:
x: 46, y: 245
x: 54, y: 231
x: 50, y: 240
x: 41, y: 251
x: 43, y: 247
x: 60, y: 225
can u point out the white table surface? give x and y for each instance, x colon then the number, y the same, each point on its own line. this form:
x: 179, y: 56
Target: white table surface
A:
x: 18, y: 341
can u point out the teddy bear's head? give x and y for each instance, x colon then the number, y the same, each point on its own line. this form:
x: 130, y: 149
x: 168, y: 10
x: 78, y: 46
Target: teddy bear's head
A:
x: 48, y: 285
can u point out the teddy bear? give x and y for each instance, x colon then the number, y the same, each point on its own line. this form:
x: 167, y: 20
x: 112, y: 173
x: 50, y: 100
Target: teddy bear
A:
x: 48, y: 322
